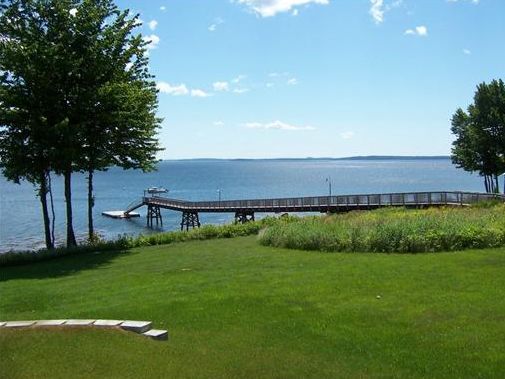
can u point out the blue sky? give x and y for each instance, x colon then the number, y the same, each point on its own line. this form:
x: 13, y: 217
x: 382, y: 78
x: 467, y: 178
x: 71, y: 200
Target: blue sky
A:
x: 318, y: 78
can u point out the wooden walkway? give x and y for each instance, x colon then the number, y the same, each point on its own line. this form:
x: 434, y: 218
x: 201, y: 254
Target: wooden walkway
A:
x: 245, y: 209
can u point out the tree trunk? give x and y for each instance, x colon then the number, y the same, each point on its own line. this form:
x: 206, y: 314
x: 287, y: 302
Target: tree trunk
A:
x: 45, y: 213
x: 486, y: 183
x: 91, y: 203
x: 497, y: 189
x: 71, y: 242
x: 51, y: 199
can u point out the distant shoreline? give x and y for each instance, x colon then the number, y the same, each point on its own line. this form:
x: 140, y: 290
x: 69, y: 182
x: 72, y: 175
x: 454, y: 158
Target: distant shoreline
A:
x: 354, y: 158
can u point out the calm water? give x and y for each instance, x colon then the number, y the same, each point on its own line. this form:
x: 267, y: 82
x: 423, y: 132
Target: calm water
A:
x: 21, y: 220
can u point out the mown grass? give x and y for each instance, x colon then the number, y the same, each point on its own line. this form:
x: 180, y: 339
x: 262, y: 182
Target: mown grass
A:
x: 235, y: 309
x: 394, y: 230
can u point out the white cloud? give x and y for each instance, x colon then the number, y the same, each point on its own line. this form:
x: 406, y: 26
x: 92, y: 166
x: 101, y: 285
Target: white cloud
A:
x: 221, y: 86
x: 199, y: 93
x: 163, y: 8
x: 180, y: 90
x: 279, y: 125
x: 269, y: 8
x: 238, y: 79
x: 73, y: 12
x: 292, y: 82
x: 469, y: 1
x: 347, y: 135
x: 240, y: 90
x: 295, y: 12
x: 218, y: 123
x: 174, y: 90
x: 152, y: 24
x: 377, y: 10
x: 421, y: 31
x: 467, y: 52
x: 278, y: 74
x: 218, y: 21
x: 153, y: 40
x: 270, y: 85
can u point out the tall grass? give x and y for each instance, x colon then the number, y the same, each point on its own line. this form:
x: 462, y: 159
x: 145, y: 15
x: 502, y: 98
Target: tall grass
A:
x: 394, y: 230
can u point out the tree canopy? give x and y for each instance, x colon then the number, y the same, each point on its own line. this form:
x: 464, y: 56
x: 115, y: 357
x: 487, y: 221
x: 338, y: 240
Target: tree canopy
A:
x: 75, y: 94
x: 480, y: 134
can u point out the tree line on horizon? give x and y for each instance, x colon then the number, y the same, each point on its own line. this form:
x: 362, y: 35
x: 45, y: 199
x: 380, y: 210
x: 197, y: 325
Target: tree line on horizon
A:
x: 480, y: 135
x: 76, y: 95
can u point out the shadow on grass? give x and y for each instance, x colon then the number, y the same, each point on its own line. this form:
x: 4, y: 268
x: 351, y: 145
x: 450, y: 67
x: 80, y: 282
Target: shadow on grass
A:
x: 62, y: 266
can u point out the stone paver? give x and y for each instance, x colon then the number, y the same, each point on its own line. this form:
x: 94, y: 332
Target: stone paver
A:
x: 18, y: 324
x: 141, y: 327
x: 156, y: 334
x: 136, y: 326
x: 108, y: 322
x: 50, y: 322
x: 79, y: 322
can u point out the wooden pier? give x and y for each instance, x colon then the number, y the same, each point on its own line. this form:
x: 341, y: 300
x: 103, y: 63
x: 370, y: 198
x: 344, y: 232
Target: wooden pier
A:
x: 245, y: 210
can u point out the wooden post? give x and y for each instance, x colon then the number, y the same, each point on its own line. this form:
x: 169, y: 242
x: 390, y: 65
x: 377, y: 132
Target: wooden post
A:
x: 241, y: 217
x: 154, y: 212
x: 190, y: 219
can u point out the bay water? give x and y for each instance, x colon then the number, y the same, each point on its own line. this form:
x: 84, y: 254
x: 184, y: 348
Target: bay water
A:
x: 21, y: 225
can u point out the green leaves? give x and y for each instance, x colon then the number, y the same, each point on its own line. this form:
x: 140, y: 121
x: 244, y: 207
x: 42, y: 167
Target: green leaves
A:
x: 75, y: 89
x: 480, y: 134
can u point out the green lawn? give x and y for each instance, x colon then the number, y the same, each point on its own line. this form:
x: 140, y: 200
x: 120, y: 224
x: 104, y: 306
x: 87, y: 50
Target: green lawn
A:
x: 235, y: 309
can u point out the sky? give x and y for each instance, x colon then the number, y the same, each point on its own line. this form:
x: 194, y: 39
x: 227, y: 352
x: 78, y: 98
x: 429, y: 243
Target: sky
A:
x: 316, y: 78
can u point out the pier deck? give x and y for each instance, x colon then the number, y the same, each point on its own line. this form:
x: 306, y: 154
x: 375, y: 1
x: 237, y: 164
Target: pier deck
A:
x: 245, y: 209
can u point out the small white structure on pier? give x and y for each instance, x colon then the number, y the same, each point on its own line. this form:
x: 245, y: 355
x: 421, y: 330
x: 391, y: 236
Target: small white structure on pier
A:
x: 128, y: 213
x: 120, y: 214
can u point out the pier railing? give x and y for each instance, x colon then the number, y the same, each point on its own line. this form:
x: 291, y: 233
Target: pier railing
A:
x: 331, y: 203
x: 134, y: 205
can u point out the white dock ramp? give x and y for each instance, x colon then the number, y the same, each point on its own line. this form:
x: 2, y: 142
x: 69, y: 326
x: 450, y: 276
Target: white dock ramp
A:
x: 120, y: 214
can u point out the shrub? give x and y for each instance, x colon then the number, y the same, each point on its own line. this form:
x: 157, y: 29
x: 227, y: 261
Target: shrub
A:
x: 127, y: 242
x: 394, y: 230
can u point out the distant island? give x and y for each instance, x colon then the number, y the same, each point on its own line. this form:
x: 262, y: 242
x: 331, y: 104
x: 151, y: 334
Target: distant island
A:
x: 355, y: 158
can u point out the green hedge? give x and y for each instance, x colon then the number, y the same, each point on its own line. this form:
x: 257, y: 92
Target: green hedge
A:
x: 126, y: 242
x: 394, y: 230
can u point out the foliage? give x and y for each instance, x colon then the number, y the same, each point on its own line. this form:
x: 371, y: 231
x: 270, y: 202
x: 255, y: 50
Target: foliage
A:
x: 128, y: 242
x: 235, y: 309
x: 75, y: 93
x: 394, y: 230
x: 480, y: 134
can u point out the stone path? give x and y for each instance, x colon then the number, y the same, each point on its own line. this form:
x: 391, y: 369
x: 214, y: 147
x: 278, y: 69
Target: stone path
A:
x: 141, y: 327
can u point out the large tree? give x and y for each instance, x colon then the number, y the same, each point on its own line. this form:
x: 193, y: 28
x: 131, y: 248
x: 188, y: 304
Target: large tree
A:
x: 480, y: 134
x: 120, y: 101
x: 72, y: 76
